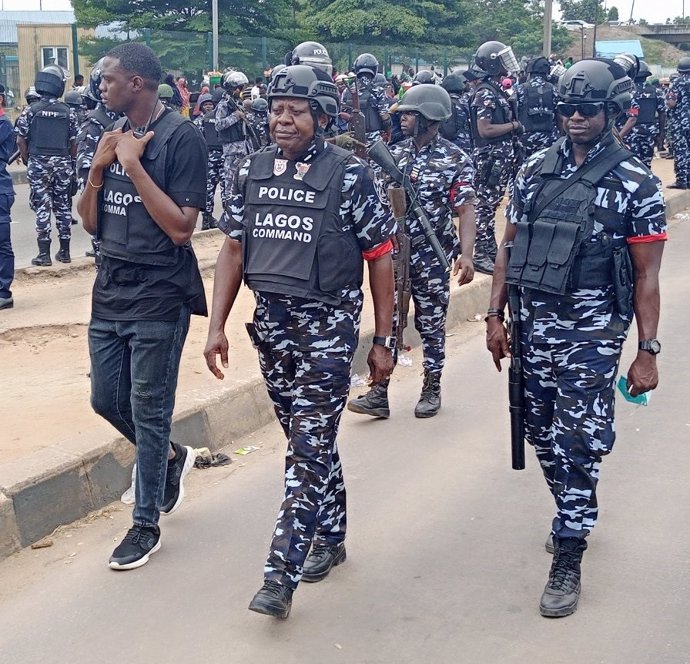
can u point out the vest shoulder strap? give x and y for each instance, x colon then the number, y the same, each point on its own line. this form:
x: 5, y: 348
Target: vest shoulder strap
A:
x: 100, y: 116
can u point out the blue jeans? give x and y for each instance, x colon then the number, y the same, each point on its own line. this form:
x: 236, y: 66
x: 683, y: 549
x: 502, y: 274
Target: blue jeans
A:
x: 134, y: 369
x: 6, y: 253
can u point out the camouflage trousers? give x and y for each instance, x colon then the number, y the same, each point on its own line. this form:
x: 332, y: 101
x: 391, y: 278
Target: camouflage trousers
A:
x: 641, y: 144
x: 216, y: 164
x: 681, y: 157
x: 569, y: 391
x: 50, y: 179
x: 430, y: 293
x: 489, y: 196
x: 232, y: 155
x: 305, y: 353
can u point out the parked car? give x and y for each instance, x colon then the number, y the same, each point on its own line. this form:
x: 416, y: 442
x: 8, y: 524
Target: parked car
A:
x: 577, y: 25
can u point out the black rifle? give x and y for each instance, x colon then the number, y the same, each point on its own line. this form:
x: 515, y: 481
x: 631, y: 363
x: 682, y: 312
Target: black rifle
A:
x: 379, y: 154
x: 516, y: 381
x: 401, y: 264
x: 250, y: 136
x: 14, y: 157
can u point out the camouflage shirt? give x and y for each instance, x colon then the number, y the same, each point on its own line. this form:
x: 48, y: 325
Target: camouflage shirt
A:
x: 629, y: 204
x: 87, y: 140
x: 680, y: 91
x: 441, y: 174
x: 484, y: 102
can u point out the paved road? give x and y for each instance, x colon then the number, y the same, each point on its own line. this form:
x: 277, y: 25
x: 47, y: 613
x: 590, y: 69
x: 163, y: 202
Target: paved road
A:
x: 446, y: 561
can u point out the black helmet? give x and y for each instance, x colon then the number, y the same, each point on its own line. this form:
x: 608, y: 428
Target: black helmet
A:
x: 630, y: 63
x: 684, y: 65
x: 73, y: 98
x: 454, y: 82
x: 495, y: 58
x: 433, y: 102
x: 234, y: 79
x: 424, y: 77
x: 366, y: 64
x: 312, y: 54
x: 644, y: 71
x: 51, y: 81
x: 596, y: 80
x: 217, y: 95
x: 260, y: 105
x: 94, y: 90
x: 540, y: 66
x: 31, y: 95
x: 304, y: 82
x: 206, y: 97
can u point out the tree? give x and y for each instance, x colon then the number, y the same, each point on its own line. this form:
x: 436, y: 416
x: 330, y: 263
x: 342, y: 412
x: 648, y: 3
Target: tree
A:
x: 582, y: 10
x: 613, y: 14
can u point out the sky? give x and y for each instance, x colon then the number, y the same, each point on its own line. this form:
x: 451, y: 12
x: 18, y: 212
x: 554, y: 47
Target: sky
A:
x: 654, y: 11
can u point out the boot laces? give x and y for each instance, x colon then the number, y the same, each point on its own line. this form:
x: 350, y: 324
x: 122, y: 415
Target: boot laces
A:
x: 431, y: 386
x: 564, y: 572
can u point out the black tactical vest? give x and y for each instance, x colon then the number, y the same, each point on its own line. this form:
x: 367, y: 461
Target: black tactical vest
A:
x: 450, y: 128
x: 49, y: 131
x: 233, y: 133
x: 647, y: 104
x: 100, y: 117
x: 500, y: 115
x: 213, y: 141
x: 552, y: 250
x: 372, y: 119
x: 294, y: 242
x: 536, y: 113
x: 125, y: 228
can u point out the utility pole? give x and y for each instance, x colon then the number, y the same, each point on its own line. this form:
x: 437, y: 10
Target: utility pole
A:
x: 548, y: 24
x: 214, y: 18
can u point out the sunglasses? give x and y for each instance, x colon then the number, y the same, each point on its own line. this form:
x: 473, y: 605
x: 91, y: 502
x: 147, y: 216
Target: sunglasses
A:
x: 586, y: 110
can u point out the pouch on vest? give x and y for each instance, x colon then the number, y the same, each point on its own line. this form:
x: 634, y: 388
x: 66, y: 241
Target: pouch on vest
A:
x: 537, y: 111
x: 647, y: 112
x: 372, y: 119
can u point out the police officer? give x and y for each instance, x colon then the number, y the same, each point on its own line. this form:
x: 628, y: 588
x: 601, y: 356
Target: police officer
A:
x: 258, y: 119
x: 441, y: 175
x: 308, y: 216
x: 678, y: 100
x: 47, y: 133
x: 230, y: 120
x: 7, y: 145
x: 536, y: 102
x: 97, y: 119
x: 372, y: 98
x: 207, y: 123
x: 493, y: 128
x: 424, y: 77
x: 590, y: 200
x: 458, y: 127
x: 144, y: 190
x: 647, y: 118
x: 74, y: 99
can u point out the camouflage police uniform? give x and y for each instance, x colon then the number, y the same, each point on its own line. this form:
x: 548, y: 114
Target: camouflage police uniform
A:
x: 259, y: 123
x: 50, y: 177
x: 532, y: 141
x: 643, y: 136
x: 373, y: 95
x: 442, y: 175
x: 216, y: 166
x: 305, y: 349
x: 232, y: 151
x: 680, y: 91
x: 492, y: 164
x: 571, y: 344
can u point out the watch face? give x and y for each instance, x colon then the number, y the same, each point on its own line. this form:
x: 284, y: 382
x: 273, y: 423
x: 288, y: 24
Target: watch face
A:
x: 655, y: 346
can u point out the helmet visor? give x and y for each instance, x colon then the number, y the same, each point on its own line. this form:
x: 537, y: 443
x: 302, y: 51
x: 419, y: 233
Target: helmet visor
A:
x: 508, y: 59
x: 317, y: 63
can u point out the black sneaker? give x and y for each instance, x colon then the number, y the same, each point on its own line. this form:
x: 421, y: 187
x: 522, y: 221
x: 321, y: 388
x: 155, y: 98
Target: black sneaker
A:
x: 136, y: 548
x: 178, y: 469
x: 321, y: 559
x: 273, y: 599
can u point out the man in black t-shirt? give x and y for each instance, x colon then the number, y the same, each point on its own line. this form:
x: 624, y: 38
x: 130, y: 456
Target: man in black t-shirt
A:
x: 143, y: 193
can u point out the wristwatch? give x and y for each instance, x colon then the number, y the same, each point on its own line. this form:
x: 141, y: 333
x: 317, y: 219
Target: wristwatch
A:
x: 650, y: 345
x: 386, y: 342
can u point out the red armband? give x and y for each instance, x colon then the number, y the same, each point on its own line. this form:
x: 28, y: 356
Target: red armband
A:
x: 382, y: 249
x: 642, y: 239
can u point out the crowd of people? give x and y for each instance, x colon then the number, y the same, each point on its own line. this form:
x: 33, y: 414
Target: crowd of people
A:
x: 321, y: 172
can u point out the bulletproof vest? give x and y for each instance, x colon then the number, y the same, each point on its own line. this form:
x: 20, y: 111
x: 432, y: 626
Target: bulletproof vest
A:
x: 449, y: 128
x: 372, y: 119
x: 537, y: 111
x: 552, y: 250
x: 100, y: 116
x: 500, y: 115
x: 647, y: 104
x: 294, y: 240
x: 233, y: 133
x: 125, y: 228
x: 213, y: 141
x: 49, y: 131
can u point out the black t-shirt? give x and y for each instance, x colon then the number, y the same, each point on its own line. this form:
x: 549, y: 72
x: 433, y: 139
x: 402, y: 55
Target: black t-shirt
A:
x: 131, y: 291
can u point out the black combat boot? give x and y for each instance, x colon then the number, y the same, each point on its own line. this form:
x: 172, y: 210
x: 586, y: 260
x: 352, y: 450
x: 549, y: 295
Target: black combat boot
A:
x: 482, y: 259
x: 63, y: 254
x: 430, y: 400
x: 43, y: 258
x: 321, y: 559
x: 562, y: 590
x: 374, y: 402
x: 678, y: 184
x: 272, y: 599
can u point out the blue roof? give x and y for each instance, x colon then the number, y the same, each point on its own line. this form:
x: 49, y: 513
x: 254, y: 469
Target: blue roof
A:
x: 9, y: 21
x: 610, y: 49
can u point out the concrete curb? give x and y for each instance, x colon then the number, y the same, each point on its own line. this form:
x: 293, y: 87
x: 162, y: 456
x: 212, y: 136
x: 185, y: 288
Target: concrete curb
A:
x: 55, y: 487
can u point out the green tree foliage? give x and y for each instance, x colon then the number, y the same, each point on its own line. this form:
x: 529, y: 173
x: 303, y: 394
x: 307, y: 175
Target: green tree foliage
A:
x: 582, y: 10
x: 613, y: 14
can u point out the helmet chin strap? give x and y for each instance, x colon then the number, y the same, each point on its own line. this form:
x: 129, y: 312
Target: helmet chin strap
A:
x: 421, y: 126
